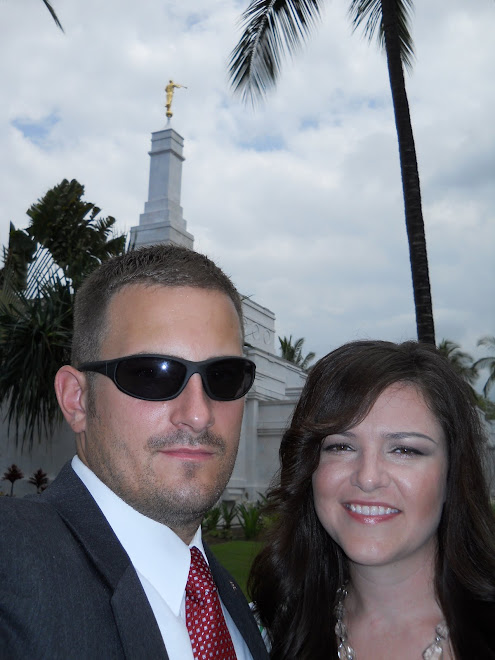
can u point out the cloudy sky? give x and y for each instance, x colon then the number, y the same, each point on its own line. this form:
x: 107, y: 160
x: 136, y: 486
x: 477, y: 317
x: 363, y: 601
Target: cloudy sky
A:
x: 300, y: 200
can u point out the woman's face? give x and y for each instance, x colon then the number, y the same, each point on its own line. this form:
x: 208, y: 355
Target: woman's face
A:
x: 379, y: 487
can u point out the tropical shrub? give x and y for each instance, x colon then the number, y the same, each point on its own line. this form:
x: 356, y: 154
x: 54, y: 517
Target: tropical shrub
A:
x: 229, y: 513
x: 44, y: 265
x: 211, y: 520
x: 250, y: 519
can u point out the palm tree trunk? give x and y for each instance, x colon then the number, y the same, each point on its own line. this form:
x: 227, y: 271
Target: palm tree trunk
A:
x: 410, y: 178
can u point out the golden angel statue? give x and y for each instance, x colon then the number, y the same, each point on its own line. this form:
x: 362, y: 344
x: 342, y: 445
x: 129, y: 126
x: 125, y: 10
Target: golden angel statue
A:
x: 169, y: 90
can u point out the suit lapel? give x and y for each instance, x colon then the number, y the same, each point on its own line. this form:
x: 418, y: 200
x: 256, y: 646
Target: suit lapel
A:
x: 133, y: 616
x: 138, y: 630
x: 235, y: 601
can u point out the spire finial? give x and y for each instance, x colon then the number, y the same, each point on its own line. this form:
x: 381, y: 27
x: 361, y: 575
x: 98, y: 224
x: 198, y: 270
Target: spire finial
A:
x: 169, y: 89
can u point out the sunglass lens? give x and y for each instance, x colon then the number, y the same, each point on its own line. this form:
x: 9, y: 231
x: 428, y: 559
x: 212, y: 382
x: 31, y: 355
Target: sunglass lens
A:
x: 150, y: 378
x: 229, y: 379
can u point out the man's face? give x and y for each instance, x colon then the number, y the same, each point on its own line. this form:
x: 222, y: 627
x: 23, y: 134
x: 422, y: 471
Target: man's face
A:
x: 170, y: 460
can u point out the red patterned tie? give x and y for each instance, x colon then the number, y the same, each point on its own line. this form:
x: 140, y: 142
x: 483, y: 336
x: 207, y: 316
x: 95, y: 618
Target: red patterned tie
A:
x: 210, y: 637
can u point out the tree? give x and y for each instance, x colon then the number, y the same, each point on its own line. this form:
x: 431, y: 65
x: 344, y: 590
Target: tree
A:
x: 272, y: 26
x: 17, y: 257
x: 465, y: 366
x: 35, y: 341
x: 12, y: 474
x: 39, y: 479
x: 68, y: 227
x: 462, y: 362
x: 293, y: 352
x: 43, y: 267
x: 487, y: 362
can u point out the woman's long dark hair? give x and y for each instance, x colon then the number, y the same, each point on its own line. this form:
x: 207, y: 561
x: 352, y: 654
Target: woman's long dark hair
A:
x: 294, y: 580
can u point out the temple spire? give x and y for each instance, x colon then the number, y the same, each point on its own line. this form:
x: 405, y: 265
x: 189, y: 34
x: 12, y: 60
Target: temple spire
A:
x: 162, y: 220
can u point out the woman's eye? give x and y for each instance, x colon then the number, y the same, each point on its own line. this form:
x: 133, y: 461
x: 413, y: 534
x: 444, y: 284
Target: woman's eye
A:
x: 337, y: 447
x: 407, y: 451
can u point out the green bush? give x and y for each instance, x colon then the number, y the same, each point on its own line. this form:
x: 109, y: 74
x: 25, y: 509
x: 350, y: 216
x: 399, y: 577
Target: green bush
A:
x: 229, y: 512
x: 250, y: 519
x: 211, y: 520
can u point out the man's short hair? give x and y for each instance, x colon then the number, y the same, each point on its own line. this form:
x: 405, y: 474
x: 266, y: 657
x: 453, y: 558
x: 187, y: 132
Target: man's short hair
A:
x: 156, y: 265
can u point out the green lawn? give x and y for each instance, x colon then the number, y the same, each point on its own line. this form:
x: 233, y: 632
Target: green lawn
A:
x: 237, y: 557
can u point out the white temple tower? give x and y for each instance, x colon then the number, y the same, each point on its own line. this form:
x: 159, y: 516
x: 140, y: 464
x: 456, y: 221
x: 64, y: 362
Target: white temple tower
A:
x: 162, y: 220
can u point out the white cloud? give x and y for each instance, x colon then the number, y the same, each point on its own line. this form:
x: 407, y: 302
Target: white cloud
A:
x: 300, y: 200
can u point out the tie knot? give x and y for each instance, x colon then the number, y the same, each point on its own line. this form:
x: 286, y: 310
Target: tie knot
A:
x: 200, y: 584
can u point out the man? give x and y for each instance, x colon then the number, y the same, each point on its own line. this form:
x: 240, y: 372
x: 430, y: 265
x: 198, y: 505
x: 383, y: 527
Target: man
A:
x: 101, y: 564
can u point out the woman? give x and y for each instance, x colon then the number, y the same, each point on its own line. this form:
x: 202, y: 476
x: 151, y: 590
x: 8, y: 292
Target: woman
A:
x: 383, y: 540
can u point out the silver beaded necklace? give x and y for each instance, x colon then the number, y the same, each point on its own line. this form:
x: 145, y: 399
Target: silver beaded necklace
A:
x: 345, y: 651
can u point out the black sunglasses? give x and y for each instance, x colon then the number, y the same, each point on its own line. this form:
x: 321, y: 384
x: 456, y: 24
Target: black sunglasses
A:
x: 161, y: 378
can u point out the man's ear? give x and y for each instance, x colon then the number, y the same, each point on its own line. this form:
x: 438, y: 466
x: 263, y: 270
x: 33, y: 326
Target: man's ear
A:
x: 71, y: 389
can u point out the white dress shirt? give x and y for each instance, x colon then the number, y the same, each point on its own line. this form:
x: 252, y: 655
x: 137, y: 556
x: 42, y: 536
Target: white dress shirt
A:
x: 161, y: 560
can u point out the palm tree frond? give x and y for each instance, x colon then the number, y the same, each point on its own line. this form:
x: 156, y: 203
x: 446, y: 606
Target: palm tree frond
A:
x: 462, y: 362
x: 270, y: 28
x: 309, y: 358
x: 292, y: 352
x: 487, y: 362
x: 35, y: 341
x: 16, y: 257
x: 488, y: 341
x: 54, y: 15
x: 369, y: 12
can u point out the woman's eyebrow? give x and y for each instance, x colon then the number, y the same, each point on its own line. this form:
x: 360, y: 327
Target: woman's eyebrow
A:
x: 401, y: 435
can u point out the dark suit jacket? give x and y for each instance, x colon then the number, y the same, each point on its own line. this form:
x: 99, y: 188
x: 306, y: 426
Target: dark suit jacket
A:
x: 69, y: 591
